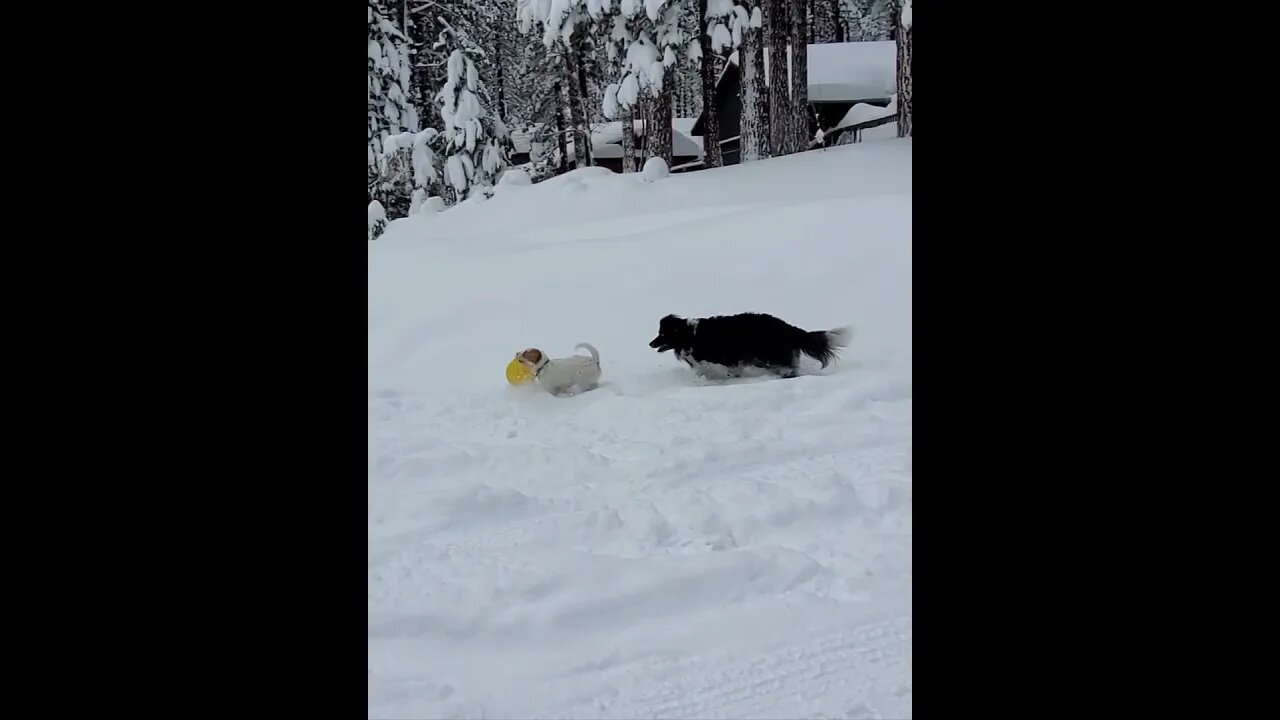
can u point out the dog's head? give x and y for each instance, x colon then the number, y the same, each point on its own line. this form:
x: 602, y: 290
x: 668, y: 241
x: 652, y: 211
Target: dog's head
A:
x: 673, y: 332
x: 532, y: 358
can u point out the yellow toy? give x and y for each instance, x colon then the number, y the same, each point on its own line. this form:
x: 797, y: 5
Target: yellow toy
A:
x: 518, y: 373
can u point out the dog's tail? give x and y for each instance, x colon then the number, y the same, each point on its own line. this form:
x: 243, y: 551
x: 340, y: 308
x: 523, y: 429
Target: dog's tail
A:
x: 825, y: 345
x: 589, y: 348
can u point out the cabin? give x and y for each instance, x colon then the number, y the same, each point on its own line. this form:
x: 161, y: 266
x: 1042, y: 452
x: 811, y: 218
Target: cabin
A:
x: 850, y: 86
x: 606, y: 144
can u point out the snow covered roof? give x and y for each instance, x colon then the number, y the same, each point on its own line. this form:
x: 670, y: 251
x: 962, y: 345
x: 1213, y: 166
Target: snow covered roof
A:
x: 606, y: 138
x: 844, y: 72
x: 862, y: 112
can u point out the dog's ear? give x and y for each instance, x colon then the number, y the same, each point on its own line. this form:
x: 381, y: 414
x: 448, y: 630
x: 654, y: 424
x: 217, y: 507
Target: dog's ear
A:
x: 532, y: 355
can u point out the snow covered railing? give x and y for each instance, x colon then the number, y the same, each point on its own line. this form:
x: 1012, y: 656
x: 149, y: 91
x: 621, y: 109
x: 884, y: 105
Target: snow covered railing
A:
x: 686, y: 167
x: 832, y: 135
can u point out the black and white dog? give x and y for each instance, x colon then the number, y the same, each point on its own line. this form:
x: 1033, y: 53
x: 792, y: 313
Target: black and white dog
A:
x: 731, y: 344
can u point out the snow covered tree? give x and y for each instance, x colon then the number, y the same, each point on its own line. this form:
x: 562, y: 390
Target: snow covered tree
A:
x: 489, y: 25
x: 377, y: 219
x: 647, y: 66
x: 711, y: 156
x: 742, y: 26
x: 390, y: 108
x: 476, y: 145
x: 568, y: 22
x: 411, y: 162
x: 826, y: 19
x: 868, y: 20
x: 495, y: 32
x: 620, y: 31
x: 688, y: 100
x: 904, y: 71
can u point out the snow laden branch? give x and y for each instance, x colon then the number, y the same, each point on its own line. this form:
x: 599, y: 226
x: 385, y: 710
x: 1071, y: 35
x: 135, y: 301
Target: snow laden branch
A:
x: 474, y: 144
x: 727, y: 23
x: 411, y: 152
x: 568, y: 23
x: 647, y: 34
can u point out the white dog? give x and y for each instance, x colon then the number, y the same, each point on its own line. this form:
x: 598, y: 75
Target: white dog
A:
x: 563, y: 376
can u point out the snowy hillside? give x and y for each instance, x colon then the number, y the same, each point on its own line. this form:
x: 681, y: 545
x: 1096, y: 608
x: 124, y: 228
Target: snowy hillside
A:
x: 659, y: 547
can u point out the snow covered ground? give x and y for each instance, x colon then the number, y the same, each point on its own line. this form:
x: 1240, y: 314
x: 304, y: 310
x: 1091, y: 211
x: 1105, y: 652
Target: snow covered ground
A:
x: 659, y: 547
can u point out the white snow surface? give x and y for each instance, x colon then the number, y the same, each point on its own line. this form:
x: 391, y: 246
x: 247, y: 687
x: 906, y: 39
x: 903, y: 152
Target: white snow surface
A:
x: 662, y: 546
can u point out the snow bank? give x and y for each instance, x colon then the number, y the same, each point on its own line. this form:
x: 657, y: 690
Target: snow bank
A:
x: 655, y: 168
x: 515, y: 176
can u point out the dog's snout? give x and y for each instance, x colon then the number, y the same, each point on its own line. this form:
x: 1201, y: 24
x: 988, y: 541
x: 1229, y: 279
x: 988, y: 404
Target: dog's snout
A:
x: 655, y: 342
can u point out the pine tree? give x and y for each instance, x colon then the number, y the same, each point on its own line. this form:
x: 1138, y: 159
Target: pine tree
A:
x: 492, y: 26
x: 390, y: 109
x: 620, y: 31
x: 428, y: 63
x: 689, y: 69
x: 868, y: 20
x: 647, y: 66
x: 410, y: 161
x: 669, y: 41
x: 567, y: 23
x: 904, y: 71
x: 476, y: 145
x: 826, y: 18
x: 741, y: 26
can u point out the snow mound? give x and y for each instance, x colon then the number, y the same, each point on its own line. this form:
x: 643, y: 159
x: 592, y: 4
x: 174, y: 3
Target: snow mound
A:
x: 655, y: 168
x: 515, y: 176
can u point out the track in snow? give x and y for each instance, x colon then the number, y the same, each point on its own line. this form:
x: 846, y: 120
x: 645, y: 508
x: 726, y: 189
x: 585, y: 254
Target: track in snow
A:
x: 839, y: 675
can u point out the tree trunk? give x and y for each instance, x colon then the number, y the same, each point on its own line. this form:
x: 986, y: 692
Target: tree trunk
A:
x: 799, y: 78
x: 581, y: 135
x: 584, y: 91
x: 754, y: 141
x: 710, y: 118
x: 502, y: 84
x: 398, y: 14
x: 561, y: 144
x: 904, y: 73
x: 777, y: 30
x: 826, y: 21
x: 660, y: 134
x: 628, y: 141
x: 642, y: 136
